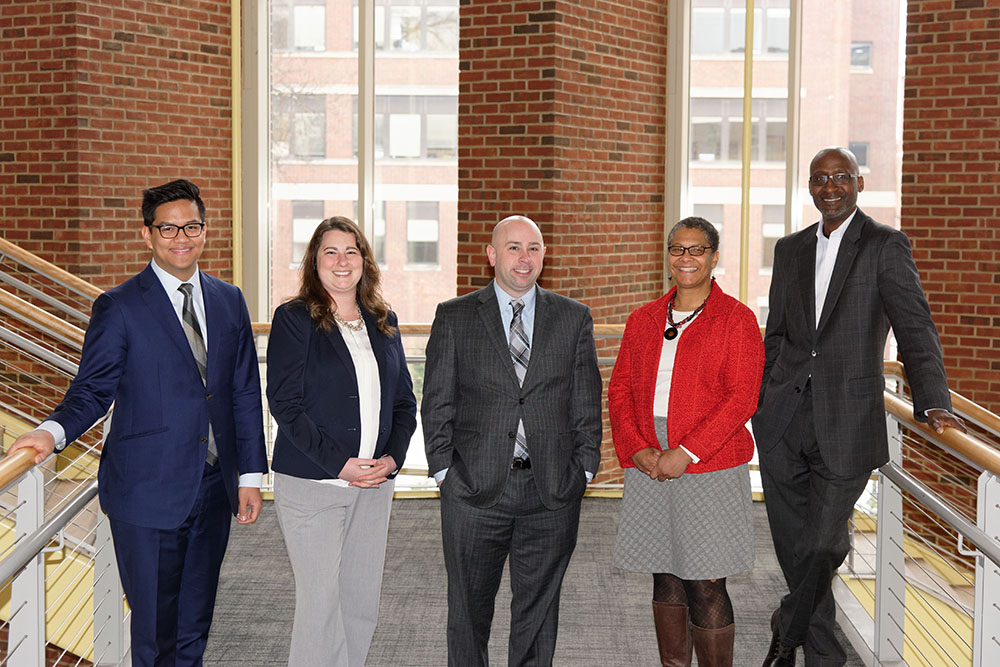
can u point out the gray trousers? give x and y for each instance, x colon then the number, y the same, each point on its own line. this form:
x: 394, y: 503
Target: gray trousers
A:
x: 335, y: 538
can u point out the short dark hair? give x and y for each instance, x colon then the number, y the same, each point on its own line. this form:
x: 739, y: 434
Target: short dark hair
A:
x: 168, y: 192
x: 702, y: 225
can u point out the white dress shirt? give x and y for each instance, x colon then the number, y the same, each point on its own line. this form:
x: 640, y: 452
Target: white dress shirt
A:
x: 826, y: 258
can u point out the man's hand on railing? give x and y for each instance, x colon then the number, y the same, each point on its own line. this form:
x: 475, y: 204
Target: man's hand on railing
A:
x: 41, y: 441
x: 250, y: 504
x: 939, y: 418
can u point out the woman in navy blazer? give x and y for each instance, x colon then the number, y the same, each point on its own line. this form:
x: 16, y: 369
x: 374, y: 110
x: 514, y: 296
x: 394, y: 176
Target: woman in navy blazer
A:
x: 339, y: 389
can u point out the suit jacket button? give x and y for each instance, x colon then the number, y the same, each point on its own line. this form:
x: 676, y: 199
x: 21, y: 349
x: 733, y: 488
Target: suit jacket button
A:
x: 208, y: 397
x: 204, y: 440
x: 813, y: 353
x: 511, y: 434
x: 521, y: 401
x: 798, y: 390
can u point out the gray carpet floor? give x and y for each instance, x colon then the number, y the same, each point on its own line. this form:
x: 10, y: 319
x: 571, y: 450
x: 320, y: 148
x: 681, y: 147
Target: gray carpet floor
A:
x: 605, y: 617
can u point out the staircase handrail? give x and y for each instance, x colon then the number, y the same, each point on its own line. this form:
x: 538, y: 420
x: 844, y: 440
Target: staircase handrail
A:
x: 50, y: 270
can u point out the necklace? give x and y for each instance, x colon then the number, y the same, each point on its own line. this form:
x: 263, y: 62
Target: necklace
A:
x: 356, y: 325
x: 674, y: 329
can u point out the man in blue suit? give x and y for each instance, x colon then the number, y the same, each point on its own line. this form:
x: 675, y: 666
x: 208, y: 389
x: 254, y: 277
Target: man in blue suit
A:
x: 173, y: 349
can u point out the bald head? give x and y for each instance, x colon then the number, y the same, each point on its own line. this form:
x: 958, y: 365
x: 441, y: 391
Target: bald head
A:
x: 837, y: 152
x: 498, y: 229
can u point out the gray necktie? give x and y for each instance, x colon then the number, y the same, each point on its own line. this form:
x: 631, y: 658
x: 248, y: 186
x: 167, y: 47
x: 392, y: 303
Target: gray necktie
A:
x: 520, y: 352
x: 193, y: 332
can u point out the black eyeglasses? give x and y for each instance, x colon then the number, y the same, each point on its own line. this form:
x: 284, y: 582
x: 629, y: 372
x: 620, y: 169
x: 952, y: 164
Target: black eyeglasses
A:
x: 840, y: 178
x: 192, y: 230
x: 693, y: 250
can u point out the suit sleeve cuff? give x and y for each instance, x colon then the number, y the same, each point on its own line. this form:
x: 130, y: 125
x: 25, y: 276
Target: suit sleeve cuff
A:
x: 590, y: 476
x: 57, y: 432
x: 440, y: 475
x: 252, y: 480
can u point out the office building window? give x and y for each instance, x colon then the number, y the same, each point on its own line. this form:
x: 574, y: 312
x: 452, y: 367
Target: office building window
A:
x: 772, y: 229
x: 717, y: 129
x: 298, y: 25
x: 298, y: 126
x: 422, y: 232
x: 718, y: 27
x: 413, y: 25
x: 860, y: 150
x: 414, y: 127
x: 306, y: 215
x: 861, y: 56
x: 376, y: 240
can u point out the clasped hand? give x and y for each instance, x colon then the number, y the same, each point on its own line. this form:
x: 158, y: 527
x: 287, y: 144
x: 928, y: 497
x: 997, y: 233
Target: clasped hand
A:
x: 661, y: 465
x: 367, y: 473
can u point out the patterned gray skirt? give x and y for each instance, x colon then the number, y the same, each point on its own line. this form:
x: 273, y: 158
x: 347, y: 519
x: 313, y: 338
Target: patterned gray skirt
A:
x: 694, y: 527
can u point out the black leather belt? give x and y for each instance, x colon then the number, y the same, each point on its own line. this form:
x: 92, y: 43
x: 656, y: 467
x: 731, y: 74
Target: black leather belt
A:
x: 520, y: 464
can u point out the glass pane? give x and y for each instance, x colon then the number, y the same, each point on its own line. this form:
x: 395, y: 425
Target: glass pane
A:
x: 416, y: 166
x: 708, y: 30
x: 313, y: 170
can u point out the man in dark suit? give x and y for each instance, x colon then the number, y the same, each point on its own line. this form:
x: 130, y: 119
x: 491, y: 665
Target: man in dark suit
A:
x: 837, y: 288
x: 512, y: 425
x: 173, y: 349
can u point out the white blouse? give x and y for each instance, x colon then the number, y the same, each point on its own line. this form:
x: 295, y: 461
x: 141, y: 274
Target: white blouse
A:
x: 369, y: 390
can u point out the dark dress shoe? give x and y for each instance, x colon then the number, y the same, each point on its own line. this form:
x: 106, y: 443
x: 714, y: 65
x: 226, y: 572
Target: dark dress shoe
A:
x: 778, y: 654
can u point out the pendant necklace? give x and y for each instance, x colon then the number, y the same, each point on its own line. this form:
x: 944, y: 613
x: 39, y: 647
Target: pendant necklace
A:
x: 356, y: 325
x: 674, y: 329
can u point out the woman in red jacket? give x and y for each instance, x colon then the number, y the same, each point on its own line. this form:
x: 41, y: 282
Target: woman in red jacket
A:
x: 683, y: 388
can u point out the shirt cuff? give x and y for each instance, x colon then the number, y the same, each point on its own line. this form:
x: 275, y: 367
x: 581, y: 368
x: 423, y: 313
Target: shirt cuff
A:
x: 440, y: 475
x: 252, y: 480
x: 57, y: 432
x: 694, y: 459
x: 590, y: 476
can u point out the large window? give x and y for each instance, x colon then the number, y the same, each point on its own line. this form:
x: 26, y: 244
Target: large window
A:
x: 316, y: 80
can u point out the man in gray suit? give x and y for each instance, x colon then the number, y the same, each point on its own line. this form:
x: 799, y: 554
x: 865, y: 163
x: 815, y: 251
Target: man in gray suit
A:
x: 837, y: 288
x: 511, y: 414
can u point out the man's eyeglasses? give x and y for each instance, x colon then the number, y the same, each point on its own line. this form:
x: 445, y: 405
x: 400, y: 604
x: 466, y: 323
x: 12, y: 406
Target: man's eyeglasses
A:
x: 693, y: 250
x: 192, y: 230
x: 841, y: 178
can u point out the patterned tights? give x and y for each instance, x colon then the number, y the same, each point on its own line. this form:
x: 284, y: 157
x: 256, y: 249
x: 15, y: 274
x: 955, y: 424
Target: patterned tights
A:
x: 707, y: 600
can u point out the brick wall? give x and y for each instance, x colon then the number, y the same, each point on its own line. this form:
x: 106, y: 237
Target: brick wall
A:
x: 100, y: 100
x: 951, y: 205
x: 951, y: 200
x: 562, y: 118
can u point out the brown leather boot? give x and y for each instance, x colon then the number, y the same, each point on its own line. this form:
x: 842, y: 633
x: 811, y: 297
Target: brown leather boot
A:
x: 673, y: 634
x: 714, y: 646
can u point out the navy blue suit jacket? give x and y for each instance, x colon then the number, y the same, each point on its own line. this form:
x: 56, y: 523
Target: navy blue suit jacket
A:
x: 136, y: 355
x: 312, y: 392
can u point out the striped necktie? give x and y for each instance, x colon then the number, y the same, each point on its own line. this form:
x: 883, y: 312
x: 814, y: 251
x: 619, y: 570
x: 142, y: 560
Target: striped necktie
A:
x: 520, y: 352
x: 192, y: 330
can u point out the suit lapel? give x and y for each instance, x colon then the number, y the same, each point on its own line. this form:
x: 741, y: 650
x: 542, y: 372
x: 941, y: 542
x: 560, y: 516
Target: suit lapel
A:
x: 164, y: 315
x: 845, y: 260
x: 807, y: 276
x: 541, y: 334
x: 337, y: 341
x: 489, y: 315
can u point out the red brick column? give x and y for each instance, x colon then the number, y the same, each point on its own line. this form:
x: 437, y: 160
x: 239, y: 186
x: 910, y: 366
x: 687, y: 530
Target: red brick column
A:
x: 562, y: 118
x: 100, y: 100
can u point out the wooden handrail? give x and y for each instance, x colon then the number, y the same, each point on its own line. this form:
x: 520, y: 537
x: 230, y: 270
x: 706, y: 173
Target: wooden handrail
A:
x: 15, y: 465
x: 41, y: 319
x: 35, y: 262
x: 974, y: 411
x: 967, y: 446
x: 600, y: 330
